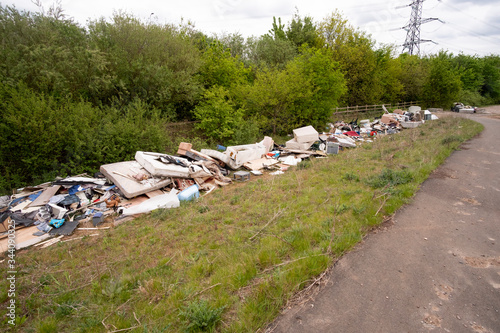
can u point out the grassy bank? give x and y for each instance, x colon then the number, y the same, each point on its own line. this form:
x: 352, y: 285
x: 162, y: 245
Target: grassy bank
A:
x: 231, y: 260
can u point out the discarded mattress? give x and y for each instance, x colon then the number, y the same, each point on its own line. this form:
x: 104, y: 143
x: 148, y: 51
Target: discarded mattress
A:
x: 151, y: 162
x: 118, y: 172
x: 77, y: 180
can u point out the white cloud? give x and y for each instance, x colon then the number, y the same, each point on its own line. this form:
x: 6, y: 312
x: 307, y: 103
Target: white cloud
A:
x: 476, y: 20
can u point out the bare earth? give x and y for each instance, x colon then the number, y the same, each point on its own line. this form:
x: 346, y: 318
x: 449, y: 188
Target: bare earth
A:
x: 435, y: 268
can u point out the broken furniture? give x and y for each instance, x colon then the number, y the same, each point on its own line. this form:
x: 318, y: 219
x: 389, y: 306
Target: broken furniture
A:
x: 241, y: 176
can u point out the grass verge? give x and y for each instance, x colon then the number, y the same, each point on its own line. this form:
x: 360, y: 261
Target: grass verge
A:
x: 230, y: 261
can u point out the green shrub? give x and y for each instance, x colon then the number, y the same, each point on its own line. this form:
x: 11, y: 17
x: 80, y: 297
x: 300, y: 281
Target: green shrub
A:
x: 218, y: 116
x: 56, y: 137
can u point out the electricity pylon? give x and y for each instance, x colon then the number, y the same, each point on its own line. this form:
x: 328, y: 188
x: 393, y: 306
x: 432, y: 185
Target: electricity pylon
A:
x: 412, y: 41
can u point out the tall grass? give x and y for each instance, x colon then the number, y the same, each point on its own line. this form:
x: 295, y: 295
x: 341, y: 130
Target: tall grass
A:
x: 234, y: 257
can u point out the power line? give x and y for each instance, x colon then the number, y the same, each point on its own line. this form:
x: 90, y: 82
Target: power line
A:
x: 469, y: 15
x: 478, y: 35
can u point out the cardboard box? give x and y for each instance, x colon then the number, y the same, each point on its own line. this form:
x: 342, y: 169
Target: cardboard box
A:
x: 293, y: 144
x: 183, y: 148
x: 4, y: 225
x: 246, y: 153
x: 305, y: 134
x: 388, y: 118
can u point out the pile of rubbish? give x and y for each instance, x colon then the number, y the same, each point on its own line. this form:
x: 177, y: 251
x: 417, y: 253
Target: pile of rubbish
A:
x: 460, y: 107
x: 121, y: 191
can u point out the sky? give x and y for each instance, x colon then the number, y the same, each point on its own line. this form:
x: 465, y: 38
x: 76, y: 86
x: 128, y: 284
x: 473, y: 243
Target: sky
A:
x: 464, y: 26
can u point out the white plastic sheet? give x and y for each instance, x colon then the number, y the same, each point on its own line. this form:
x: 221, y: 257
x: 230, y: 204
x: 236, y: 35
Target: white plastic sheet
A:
x: 168, y: 200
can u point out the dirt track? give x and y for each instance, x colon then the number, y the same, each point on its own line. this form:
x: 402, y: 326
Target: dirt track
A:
x: 436, y: 268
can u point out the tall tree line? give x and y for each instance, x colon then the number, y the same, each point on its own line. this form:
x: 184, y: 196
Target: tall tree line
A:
x: 74, y: 97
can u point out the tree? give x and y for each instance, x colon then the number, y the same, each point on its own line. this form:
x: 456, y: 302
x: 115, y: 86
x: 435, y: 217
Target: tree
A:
x: 335, y: 31
x: 268, y: 52
x: 414, y: 73
x: 152, y: 62
x: 471, y: 71
x: 491, y: 73
x: 443, y: 83
x: 218, y: 116
x: 271, y: 98
x: 221, y: 68
x: 302, y: 31
x: 326, y: 86
x: 387, y: 75
x: 353, y: 49
x: 233, y: 42
x: 50, y: 54
x: 303, y: 93
x: 278, y: 30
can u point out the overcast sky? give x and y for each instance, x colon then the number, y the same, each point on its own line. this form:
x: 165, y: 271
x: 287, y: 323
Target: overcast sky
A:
x: 471, y: 27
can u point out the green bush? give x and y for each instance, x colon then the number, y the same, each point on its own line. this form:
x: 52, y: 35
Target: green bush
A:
x: 44, y: 137
x: 219, y: 119
x: 472, y: 98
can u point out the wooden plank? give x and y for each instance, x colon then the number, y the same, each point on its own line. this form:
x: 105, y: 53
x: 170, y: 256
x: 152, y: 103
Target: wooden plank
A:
x: 44, y: 198
x: 23, y: 238
x: 256, y: 165
x: 154, y: 193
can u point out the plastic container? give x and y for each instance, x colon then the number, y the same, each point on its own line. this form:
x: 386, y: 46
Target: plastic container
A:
x: 427, y: 115
x: 97, y: 218
x: 332, y: 148
x: 191, y: 193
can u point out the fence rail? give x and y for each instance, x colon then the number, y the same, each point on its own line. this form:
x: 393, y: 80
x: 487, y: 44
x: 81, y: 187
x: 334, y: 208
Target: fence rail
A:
x: 369, y: 109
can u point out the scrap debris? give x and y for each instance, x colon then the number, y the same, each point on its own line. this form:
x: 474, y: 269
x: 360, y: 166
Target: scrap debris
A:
x: 123, y: 190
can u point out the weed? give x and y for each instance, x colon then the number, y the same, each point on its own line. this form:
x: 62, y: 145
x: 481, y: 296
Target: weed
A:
x: 49, y: 325
x: 115, y: 289
x: 304, y: 165
x: 160, y: 213
x: 451, y: 139
x: 340, y: 208
x: 146, y: 329
x: 64, y: 310
x: 203, y: 209
x: 327, y: 223
x: 200, y: 316
x: 389, y: 177
x: 358, y: 210
x: 350, y: 176
x: 234, y: 200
